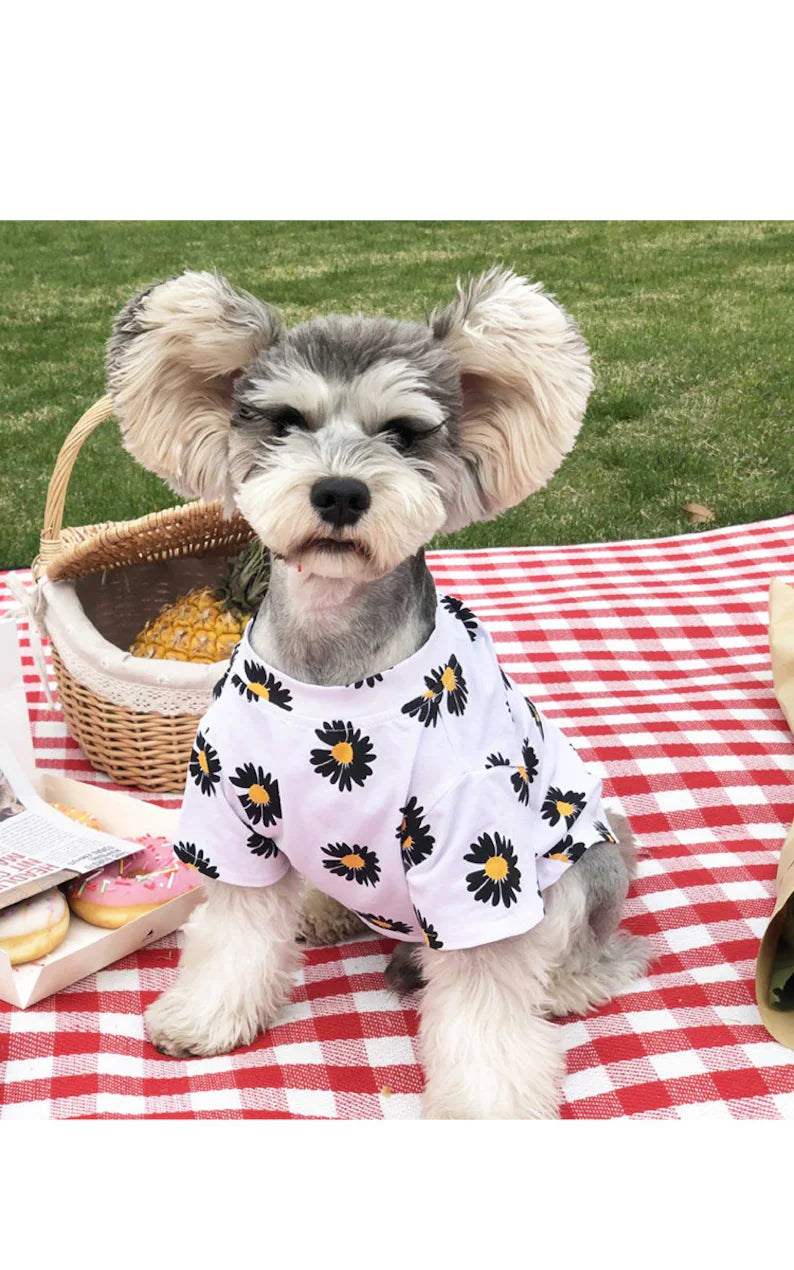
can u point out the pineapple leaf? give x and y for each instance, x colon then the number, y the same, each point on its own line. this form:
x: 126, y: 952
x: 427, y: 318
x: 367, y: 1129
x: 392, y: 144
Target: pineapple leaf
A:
x: 245, y: 585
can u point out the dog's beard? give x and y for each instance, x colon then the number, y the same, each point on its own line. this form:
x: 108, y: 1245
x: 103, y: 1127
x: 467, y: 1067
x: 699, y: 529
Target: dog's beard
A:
x: 404, y: 513
x: 332, y: 557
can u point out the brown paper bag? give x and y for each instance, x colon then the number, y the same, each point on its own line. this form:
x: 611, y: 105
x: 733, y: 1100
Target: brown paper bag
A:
x: 779, y: 1023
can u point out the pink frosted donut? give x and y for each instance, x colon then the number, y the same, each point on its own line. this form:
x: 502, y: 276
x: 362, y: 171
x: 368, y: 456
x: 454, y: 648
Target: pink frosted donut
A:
x: 130, y: 887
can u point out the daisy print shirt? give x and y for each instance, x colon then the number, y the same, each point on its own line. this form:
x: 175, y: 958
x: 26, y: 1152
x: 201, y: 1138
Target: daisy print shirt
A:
x: 433, y: 799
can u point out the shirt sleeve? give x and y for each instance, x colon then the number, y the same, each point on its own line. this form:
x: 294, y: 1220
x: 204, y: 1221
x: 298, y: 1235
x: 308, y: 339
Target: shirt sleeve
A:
x: 216, y: 835
x: 478, y: 883
x: 565, y: 799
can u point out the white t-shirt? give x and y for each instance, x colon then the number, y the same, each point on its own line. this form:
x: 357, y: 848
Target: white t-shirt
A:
x: 433, y: 799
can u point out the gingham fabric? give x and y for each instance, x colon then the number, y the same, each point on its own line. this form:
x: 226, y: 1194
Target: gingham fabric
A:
x: 653, y: 657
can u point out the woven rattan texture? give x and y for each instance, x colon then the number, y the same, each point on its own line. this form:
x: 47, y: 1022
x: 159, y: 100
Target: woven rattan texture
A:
x: 148, y: 751
x: 192, y: 530
x: 143, y: 748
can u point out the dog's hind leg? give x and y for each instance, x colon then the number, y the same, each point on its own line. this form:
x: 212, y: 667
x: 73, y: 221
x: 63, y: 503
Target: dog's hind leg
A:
x: 326, y: 921
x: 404, y: 971
x: 599, y: 960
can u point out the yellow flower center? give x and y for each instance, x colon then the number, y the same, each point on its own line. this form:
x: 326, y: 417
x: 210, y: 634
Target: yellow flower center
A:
x: 403, y: 825
x: 426, y: 937
x: 353, y: 861
x: 343, y: 753
x: 408, y: 843
x: 385, y: 925
x: 203, y: 762
x: 259, y: 690
x: 428, y: 694
x: 258, y: 794
x: 565, y: 809
x: 522, y: 771
x: 559, y: 855
x: 448, y: 679
x: 496, y: 868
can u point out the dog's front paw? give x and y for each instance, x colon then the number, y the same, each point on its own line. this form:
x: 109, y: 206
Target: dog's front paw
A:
x: 440, y: 1106
x: 493, y: 1095
x: 184, y: 1024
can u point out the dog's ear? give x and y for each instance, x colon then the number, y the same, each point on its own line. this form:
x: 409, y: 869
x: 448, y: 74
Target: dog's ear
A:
x: 175, y: 351
x: 525, y: 373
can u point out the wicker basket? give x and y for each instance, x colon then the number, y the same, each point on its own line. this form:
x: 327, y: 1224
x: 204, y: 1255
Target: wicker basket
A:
x: 109, y: 579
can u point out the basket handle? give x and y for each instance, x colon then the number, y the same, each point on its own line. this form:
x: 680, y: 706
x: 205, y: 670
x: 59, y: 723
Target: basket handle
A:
x: 50, y: 542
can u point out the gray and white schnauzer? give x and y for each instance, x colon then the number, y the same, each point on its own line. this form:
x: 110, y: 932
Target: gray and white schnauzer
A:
x: 406, y: 429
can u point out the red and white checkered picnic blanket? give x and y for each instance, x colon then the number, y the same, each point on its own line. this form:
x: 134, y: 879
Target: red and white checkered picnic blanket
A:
x: 653, y: 657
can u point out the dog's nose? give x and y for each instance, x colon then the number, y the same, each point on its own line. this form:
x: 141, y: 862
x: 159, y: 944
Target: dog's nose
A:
x: 340, y: 500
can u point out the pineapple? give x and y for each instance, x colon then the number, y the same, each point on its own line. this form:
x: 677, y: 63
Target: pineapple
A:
x: 204, y: 625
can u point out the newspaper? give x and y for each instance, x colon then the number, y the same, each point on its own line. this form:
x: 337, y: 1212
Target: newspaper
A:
x: 39, y: 846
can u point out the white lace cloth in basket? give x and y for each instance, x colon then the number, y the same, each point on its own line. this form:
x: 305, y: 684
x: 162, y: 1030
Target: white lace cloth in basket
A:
x: 152, y: 686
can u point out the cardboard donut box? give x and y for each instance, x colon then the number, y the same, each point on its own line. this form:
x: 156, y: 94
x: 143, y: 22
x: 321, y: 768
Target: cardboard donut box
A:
x: 86, y: 949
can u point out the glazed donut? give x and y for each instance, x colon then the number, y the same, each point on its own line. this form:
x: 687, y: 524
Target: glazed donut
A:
x: 130, y: 887
x: 32, y: 928
x: 80, y: 817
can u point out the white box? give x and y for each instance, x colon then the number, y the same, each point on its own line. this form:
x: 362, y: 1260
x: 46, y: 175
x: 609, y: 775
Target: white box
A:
x: 86, y: 948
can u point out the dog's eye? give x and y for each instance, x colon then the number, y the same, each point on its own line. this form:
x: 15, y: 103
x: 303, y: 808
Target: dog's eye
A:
x: 246, y: 414
x: 285, y: 419
x: 400, y: 434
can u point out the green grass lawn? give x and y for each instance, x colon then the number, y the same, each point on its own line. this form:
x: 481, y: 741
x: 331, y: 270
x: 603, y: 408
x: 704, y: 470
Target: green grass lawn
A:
x: 691, y: 327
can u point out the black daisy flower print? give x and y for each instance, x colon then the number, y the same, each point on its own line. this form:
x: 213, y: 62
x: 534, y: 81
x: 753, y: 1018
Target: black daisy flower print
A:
x: 190, y: 854
x: 204, y: 765
x: 429, y: 932
x: 525, y: 773
x: 497, y: 879
x: 566, y: 851
x: 505, y: 680
x: 258, y: 844
x: 606, y: 833
x: 260, y: 797
x: 448, y: 682
x: 387, y: 924
x: 218, y: 689
x: 416, y: 842
x: 454, y: 685
x: 356, y: 864
x: 533, y: 710
x: 258, y: 684
x: 458, y: 609
x: 348, y: 758
x: 559, y: 806
x: 424, y: 708
x: 370, y: 681
x: 497, y: 760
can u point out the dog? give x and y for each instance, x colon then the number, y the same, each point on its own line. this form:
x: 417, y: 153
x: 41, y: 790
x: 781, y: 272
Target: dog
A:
x: 347, y: 443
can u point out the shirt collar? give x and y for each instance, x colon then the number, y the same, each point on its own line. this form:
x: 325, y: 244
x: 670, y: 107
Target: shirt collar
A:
x: 379, y: 694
